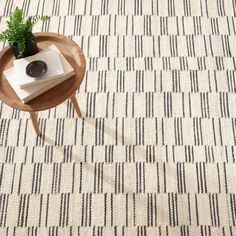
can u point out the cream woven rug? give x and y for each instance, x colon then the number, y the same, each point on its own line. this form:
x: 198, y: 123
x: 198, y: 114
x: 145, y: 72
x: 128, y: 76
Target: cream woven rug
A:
x: 154, y: 153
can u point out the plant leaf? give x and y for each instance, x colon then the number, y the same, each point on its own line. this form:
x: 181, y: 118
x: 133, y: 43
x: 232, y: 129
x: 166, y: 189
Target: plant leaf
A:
x: 19, y: 29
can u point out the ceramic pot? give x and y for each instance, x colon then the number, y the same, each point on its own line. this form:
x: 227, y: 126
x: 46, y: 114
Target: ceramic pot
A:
x: 30, y: 49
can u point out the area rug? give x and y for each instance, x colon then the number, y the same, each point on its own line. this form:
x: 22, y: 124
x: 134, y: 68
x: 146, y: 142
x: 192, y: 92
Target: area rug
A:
x: 154, y: 152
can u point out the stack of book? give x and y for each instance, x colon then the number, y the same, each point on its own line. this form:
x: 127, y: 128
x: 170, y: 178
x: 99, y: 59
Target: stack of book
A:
x: 27, y: 87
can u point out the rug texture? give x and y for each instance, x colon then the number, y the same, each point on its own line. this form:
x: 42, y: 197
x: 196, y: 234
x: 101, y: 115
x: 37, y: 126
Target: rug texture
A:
x: 155, y: 150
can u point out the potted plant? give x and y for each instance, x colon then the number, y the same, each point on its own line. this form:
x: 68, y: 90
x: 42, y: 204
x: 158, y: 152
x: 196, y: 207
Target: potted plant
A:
x: 19, y: 33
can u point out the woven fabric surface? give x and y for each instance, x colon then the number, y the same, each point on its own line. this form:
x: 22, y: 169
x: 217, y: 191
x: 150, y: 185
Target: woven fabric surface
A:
x: 154, y: 152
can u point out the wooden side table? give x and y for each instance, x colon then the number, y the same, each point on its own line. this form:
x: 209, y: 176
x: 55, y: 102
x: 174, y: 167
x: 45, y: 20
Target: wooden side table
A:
x: 54, y: 96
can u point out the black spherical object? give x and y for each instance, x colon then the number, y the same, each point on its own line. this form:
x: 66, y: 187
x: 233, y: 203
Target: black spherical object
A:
x: 36, y: 68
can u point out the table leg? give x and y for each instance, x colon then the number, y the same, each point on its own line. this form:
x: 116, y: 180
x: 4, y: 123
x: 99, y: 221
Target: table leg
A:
x: 34, y: 122
x: 75, y: 104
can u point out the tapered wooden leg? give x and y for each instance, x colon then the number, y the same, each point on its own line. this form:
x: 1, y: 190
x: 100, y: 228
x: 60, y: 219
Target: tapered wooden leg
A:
x: 75, y: 104
x: 34, y: 122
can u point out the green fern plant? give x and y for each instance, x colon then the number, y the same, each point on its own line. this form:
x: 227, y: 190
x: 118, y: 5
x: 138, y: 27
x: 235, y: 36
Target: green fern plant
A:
x: 19, y: 30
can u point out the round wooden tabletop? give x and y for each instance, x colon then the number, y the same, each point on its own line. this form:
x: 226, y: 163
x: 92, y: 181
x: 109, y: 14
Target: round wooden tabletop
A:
x: 56, y: 95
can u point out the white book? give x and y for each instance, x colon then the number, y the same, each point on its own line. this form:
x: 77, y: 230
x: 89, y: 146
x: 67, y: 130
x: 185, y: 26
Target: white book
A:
x: 33, y: 91
x: 54, y: 65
